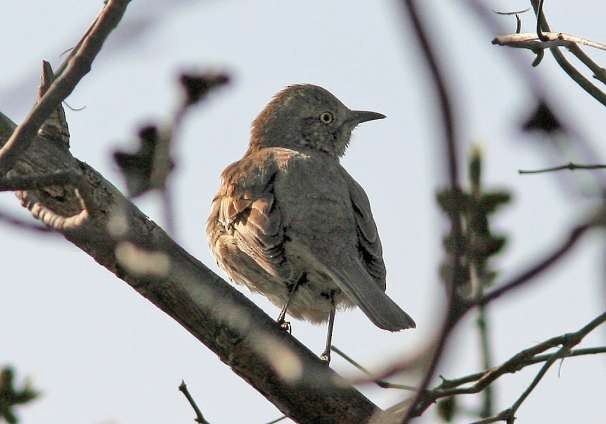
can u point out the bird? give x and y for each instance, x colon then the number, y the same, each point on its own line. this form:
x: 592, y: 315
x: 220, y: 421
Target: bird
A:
x: 289, y: 222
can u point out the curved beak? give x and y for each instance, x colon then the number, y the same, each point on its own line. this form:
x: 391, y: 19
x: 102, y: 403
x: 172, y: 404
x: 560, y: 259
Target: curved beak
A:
x: 359, y: 116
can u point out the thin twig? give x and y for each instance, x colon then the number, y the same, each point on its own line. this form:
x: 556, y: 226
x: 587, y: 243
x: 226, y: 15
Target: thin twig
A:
x: 517, y: 14
x: 199, y: 417
x: 78, y: 65
x: 277, y: 420
x: 569, y: 166
x: 520, y: 360
x: 506, y: 368
x: 380, y: 383
x: 567, y: 342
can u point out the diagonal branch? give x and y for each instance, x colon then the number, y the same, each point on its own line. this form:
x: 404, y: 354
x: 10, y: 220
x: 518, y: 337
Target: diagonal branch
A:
x: 526, y: 276
x: 77, y: 66
x: 243, y: 336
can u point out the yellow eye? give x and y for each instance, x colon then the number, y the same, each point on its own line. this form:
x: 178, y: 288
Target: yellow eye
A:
x: 327, y: 117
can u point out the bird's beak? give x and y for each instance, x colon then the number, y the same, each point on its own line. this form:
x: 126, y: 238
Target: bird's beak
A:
x: 359, y: 116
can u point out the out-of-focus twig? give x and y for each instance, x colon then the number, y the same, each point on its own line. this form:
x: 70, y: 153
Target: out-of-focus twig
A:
x: 16, y: 222
x: 527, y: 275
x: 455, y: 308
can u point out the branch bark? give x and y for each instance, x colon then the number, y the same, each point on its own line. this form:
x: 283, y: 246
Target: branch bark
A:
x: 243, y: 336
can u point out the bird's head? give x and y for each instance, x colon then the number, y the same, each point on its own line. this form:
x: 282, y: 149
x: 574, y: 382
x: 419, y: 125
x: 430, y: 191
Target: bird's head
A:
x: 307, y: 116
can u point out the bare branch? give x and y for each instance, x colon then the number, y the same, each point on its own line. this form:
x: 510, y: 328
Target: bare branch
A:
x: 585, y: 84
x: 552, y: 40
x: 519, y: 361
x: 526, y: 276
x: 532, y: 42
x: 78, y: 65
x: 199, y: 417
x: 569, y: 166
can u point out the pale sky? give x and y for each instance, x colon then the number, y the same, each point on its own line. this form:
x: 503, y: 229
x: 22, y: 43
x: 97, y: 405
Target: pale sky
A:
x: 101, y: 353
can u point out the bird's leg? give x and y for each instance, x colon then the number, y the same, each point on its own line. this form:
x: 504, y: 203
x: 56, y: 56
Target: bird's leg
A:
x: 331, y: 322
x: 285, y: 325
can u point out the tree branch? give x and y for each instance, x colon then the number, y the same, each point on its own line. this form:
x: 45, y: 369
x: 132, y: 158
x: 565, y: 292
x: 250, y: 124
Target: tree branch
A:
x: 573, y: 237
x: 243, y: 336
x: 199, y: 417
x: 454, y: 309
x: 566, y: 341
x: 78, y: 65
x: 569, y: 166
x: 552, y: 40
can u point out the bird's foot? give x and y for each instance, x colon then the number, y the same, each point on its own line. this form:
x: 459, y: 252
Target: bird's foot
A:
x: 325, y: 357
x: 285, y: 326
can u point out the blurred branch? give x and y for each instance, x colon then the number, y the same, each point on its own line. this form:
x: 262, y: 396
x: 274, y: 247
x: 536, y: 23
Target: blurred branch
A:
x: 11, y: 396
x: 526, y: 276
x: 199, y: 417
x: 569, y: 166
x: 77, y: 66
x: 11, y: 220
x: 455, y: 308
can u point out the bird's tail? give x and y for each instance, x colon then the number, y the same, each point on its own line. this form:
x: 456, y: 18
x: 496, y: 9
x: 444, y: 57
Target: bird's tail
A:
x: 353, y: 279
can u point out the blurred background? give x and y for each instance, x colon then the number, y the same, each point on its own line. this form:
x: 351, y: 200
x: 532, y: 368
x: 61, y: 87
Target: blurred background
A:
x: 100, y: 353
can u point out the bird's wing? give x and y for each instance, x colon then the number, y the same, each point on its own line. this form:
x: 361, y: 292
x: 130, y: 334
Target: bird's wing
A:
x: 245, y: 207
x: 369, y: 242
x: 362, y: 278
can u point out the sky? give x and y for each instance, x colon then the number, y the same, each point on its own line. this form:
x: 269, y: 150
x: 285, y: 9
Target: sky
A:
x: 102, y: 354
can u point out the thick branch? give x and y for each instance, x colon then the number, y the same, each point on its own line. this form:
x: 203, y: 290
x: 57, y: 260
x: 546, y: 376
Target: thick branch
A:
x: 245, y: 338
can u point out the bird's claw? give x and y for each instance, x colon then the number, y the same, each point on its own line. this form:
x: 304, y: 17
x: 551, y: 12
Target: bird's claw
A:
x: 285, y: 326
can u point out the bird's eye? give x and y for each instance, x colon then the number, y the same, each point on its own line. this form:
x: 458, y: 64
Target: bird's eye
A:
x: 327, y: 117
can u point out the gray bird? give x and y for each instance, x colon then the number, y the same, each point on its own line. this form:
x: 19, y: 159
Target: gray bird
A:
x: 289, y: 222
